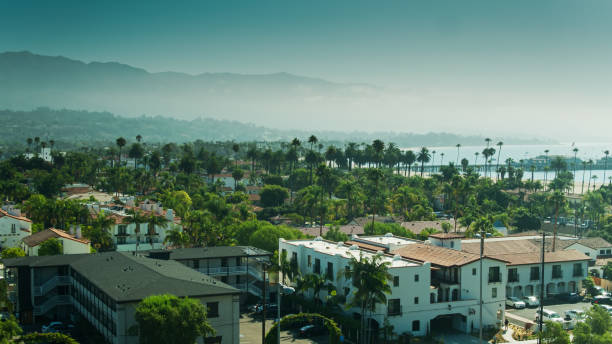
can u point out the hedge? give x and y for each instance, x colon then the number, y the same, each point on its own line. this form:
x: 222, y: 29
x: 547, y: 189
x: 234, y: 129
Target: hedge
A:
x: 332, y: 327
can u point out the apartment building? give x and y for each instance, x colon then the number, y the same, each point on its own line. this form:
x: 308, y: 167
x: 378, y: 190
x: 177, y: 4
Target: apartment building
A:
x: 105, y: 289
x: 239, y: 266
x: 128, y: 236
x: 13, y: 226
x: 431, y: 288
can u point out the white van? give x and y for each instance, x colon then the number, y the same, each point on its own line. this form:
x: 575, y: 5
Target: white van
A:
x: 549, y: 316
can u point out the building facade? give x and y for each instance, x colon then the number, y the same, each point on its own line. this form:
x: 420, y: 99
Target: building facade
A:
x: 72, y: 243
x: 13, y: 227
x: 105, y: 289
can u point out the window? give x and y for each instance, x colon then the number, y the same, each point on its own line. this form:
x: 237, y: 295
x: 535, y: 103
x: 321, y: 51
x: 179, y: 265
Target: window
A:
x: 513, y: 275
x: 13, y: 228
x: 556, y: 271
x: 578, y: 270
x: 452, y: 244
x: 317, y: 266
x: 224, y: 279
x: 534, y: 274
x: 330, y: 271
x: 122, y: 230
x: 608, y: 251
x: 212, y: 309
x: 224, y: 262
x: 396, y: 281
x: 238, y: 261
x: 416, y: 326
x: 416, y: 278
x: 309, y: 261
x: 120, y: 240
x: 394, y: 307
x: 196, y: 263
x: 416, y: 300
x: 238, y: 279
x: 294, y: 257
x: 494, y: 274
x: 494, y: 292
x: 346, y: 291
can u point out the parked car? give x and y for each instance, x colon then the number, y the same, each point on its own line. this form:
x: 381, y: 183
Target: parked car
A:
x: 531, y: 301
x: 515, y: 302
x: 570, y: 297
x: 606, y: 307
x: 312, y: 330
x: 602, y: 300
x: 57, y: 326
x: 575, y: 314
x: 549, y: 315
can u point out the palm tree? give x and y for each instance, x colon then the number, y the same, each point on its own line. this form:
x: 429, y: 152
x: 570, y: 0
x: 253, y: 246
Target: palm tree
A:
x: 606, y: 152
x: 237, y: 174
x: 155, y: 221
x: 409, y: 159
x: 575, y: 150
x: 37, y: 141
x: 558, y: 200
x: 29, y: 142
x: 120, y: 143
x: 176, y: 237
x: 584, y: 165
x: 312, y: 140
x: 376, y: 176
x: 138, y: 138
x: 441, y: 159
x: 318, y: 283
x: 488, y: 141
x: 433, y: 160
x: 378, y: 146
x: 499, y: 144
x: 51, y: 144
x: 458, y: 145
x: 476, y: 159
x: 590, y: 173
x: 545, y: 168
x: 236, y: 148
x: 100, y: 234
x: 252, y: 154
x: 370, y: 279
x: 594, y: 181
x: 135, y: 217
x: 423, y: 157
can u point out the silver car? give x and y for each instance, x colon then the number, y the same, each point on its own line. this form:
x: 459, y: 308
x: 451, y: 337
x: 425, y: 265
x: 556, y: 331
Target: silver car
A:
x: 531, y: 301
x: 515, y: 302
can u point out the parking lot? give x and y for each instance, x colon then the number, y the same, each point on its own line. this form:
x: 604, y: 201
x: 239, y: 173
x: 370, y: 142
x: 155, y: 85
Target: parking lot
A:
x: 250, y: 333
x: 560, y: 308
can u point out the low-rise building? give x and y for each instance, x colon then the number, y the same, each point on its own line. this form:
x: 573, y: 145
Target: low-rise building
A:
x: 72, y: 243
x: 431, y: 287
x: 238, y: 266
x: 13, y: 227
x: 105, y: 289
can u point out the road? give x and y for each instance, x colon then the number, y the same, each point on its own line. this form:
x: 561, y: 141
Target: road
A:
x: 529, y: 313
x: 250, y: 333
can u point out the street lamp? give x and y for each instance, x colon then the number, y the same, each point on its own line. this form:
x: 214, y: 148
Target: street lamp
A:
x: 482, y: 235
x: 265, y: 264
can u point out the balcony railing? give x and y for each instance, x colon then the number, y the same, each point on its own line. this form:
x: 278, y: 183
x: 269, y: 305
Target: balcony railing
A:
x: 223, y: 270
x: 495, y: 278
x: 50, y: 284
x: 578, y: 273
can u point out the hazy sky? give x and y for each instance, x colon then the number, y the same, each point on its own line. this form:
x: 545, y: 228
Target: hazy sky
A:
x: 492, y: 63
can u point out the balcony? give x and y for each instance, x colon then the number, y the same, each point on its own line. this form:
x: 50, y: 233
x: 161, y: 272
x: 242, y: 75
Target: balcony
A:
x: 50, y: 284
x: 578, y: 273
x: 496, y: 278
x: 230, y: 270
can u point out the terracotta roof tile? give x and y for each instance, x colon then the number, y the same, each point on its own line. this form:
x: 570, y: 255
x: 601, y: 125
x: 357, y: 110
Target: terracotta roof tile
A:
x: 549, y: 257
x: 436, y: 255
x: 447, y: 236
x: 417, y: 227
x: 37, y: 238
x: 21, y: 218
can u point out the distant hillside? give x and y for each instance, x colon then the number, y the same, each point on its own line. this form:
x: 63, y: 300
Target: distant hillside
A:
x: 84, y: 127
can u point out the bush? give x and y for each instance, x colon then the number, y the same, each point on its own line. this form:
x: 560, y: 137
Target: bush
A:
x: 287, y: 321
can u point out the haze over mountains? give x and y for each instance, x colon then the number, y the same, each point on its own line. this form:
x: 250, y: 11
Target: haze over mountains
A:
x: 278, y: 100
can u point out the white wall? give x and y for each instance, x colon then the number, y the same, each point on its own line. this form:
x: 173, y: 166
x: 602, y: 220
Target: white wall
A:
x: 9, y: 239
x: 74, y: 247
x: 521, y: 288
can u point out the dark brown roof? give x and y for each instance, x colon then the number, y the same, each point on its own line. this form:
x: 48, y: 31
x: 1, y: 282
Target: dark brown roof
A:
x: 436, y: 255
x: 370, y: 247
x: 501, y: 247
x: 417, y: 227
x: 447, y: 236
x: 346, y: 229
x: 37, y: 238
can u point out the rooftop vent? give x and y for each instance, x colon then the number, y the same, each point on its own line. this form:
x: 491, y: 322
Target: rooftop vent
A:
x: 340, y: 244
x: 318, y: 239
x: 389, y: 235
x: 354, y: 247
x: 397, y: 257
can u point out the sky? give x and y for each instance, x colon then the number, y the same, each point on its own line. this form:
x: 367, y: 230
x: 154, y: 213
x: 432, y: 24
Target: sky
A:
x: 520, y: 67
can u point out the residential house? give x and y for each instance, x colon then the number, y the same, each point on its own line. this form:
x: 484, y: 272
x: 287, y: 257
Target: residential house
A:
x: 105, y: 289
x: 13, y: 227
x: 72, y: 243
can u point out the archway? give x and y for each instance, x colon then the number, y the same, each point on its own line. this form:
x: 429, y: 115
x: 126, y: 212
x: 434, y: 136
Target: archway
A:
x: 508, y: 291
x: 517, y: 291
x: 455, y: 296
x: 572, y: 287
x: 550, y: 289
x: 528, y: 290
x: 561, y: 287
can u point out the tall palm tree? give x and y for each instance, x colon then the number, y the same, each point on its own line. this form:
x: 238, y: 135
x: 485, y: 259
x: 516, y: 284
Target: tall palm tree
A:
x: 476, y: 159
x: 499, y: 144
x: 545, y: 168
x: 37, y: 142
x: 606, y: 152
x: 409, y: 159
x: 433, y: 161
x: 252, y: 154
x: 488, y: 141
x: 575, y: 150
x: 176, y: 237
x: 590, y: 173
x: 558, y: 200
x: 378, y: 146
x: 135, y: 217
x: 120, y: 143
x: 153, y: 222
x: 312, y: 140
x: 138, y: 138
x: 584, y: 165
x: 423, y: 157
x: 236, y: 148
x: 375, y: 176
x: 458, y: 145
x: 370, y: 279
x: 441, y: 158
x: 29, y: 142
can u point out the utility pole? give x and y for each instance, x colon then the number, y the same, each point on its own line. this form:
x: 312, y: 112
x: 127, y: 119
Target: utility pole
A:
x: 482, y: 234
x: 263, y: 301
x: 541, y: 290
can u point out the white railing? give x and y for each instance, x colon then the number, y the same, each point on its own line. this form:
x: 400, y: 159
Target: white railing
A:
x: 58, y: 300
x: 231, y: 270
x: 50, y: 284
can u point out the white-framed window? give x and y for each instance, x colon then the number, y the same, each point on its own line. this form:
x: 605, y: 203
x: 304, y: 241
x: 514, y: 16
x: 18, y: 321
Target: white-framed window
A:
x: 13, y: 228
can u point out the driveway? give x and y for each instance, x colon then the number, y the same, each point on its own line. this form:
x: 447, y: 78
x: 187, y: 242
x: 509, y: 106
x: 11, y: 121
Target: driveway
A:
x: 529, y: 313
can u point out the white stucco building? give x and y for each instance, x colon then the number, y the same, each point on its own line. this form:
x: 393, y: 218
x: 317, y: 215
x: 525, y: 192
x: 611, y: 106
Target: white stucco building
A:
x: 72, y: 243
x: 432, y: 287
x: 13, y: 227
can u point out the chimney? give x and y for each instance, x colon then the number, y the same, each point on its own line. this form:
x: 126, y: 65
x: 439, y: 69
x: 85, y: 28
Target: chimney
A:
x: 72, y: 230
x: 169, y: 215
x: 78, y: 232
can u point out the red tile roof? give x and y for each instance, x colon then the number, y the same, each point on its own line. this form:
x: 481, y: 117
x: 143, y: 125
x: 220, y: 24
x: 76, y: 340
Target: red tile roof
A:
x: 437, y: 255
x: 20, y: 218
x: 37, y: 238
